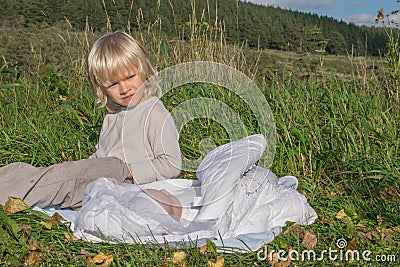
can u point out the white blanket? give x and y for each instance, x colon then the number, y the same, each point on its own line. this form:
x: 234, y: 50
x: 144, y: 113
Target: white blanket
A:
x: 234, y: 203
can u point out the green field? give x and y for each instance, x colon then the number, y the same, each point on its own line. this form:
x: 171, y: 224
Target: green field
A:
x: 338, y: 131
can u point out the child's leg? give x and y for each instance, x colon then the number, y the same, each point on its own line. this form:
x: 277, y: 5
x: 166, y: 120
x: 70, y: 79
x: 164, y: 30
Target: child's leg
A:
x: 61, y: 184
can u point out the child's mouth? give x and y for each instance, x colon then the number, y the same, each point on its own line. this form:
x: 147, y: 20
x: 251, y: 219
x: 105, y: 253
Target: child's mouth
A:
x: 129, y: 97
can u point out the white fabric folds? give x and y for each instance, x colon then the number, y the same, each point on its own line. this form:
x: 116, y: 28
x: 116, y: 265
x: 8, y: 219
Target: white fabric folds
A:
x: 234, y: 203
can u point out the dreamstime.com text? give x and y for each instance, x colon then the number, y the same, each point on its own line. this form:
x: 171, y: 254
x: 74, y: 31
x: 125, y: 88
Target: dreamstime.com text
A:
x: 331, y: 254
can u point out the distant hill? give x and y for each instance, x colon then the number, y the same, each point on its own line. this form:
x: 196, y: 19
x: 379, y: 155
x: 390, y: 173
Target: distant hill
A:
x: 260, y: 26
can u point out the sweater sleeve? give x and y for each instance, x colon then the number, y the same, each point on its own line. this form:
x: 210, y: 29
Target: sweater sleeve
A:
x: 97, y: 153
x: 165, y: 160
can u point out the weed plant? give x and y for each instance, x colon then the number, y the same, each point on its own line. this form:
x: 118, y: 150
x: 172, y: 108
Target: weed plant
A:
x: 338, y: 133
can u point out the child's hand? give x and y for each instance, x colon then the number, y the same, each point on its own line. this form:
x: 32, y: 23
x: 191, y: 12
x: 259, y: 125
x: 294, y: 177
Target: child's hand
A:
x: 169, y: 202
x: 129, y: 178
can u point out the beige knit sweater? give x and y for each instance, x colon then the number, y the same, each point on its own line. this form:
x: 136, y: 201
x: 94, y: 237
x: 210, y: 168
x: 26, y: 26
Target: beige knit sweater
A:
x: 145, y: 137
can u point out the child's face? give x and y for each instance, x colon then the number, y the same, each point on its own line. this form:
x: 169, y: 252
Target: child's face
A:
x: 122, y: 90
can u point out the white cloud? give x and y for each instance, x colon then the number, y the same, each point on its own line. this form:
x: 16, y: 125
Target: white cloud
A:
x: 361, y: 19
x: 301, y: 5
x: 369, y: 20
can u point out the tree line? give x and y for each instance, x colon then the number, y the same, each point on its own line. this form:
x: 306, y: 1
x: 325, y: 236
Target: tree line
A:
x: 257, y: 25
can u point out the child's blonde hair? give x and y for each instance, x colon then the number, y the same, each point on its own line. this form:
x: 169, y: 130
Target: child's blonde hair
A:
x: 112, y: 55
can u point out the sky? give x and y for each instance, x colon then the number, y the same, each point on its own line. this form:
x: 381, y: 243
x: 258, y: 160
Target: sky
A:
x: 360, y: 12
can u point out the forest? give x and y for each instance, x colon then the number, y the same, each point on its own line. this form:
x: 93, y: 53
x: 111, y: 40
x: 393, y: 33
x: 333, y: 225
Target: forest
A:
x: 255, y: 25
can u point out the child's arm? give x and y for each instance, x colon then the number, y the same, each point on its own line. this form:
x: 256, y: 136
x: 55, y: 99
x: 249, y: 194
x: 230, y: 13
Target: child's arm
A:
x: 97, y: 153
x: 163, y: 143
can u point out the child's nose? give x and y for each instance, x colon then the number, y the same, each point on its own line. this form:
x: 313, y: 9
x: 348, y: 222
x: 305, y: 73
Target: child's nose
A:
x: 125, y: 87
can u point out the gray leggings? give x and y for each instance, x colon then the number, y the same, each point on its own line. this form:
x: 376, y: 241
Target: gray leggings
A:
x: 57, y: 185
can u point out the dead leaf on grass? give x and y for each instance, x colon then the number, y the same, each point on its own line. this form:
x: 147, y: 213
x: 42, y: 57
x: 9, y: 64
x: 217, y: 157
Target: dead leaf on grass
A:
x: 179, y: 258
x: 203, y: 249
x: 34, y: 258
x: 388, y: 234
x: 273, y: 259
x: 46, y: 225
x: 309, y: 240
x: 326, y: 221
x: 56, y: 218
x: 33, y: 244
x: 379, y: 219
x: 361, y: 226
x: 85, y: 252
x: 296, y: 230
x: 70, y: 237
x: 284, y: 263
x: 14, y: 205
x: 219, y: 262
x: 101, y: 258
x: 368, y: 236
x: 352, y: 245
x: 165, y: 262
x: 341, y: 215
x: 26, y: 229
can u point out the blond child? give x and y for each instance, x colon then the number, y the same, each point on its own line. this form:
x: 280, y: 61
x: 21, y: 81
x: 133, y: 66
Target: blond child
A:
x: 138, y: 141
x: 138, y: 129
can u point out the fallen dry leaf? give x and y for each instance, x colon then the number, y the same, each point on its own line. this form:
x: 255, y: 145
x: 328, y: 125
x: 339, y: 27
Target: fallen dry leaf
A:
x: 14, y: 205
x: 26, y: 229
x: 379, y: 219
x: 70, y: 237
x: 101, y: 258
x: 85, y: 252
x: 361, y: 226
x: 46, y: 225
x: 203, y: 249
x: 56, y: 218
x: 326, y: 221
x: 179, y: 258
x: 33, y: 244
x: 273, y: 259
x: 219, y: 262
x: 188, y: 175
x: 165, y: 262
x: 367, y: 236
x: 296, y: 230
x: 341, y: 215
x: 34, y: 258
x: 285, y: 263
x: 352, y: 245
x: 309, y: 240
x: 388, y: 234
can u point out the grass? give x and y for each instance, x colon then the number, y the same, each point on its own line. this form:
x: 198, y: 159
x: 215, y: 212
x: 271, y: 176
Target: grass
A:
x: 337, y: 131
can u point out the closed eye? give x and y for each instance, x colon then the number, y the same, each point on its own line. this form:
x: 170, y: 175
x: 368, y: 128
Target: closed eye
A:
x: 111, y: 85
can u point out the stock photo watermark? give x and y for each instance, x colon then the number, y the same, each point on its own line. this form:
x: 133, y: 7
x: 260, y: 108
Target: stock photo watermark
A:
x: 337, y: 254
x: 216, y: 75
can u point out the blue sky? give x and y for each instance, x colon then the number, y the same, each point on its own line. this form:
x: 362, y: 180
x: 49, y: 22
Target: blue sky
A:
x: 356, y: 11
